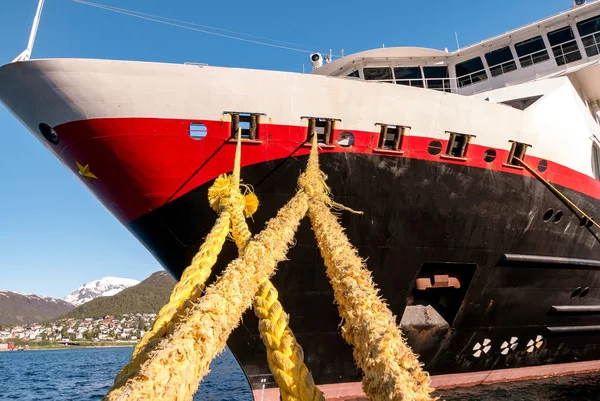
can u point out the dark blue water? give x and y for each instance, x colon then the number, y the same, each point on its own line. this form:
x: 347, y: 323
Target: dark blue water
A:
x: 86, y: 374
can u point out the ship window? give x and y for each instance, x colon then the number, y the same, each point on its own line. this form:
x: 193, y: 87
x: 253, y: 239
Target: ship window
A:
x: 564, y: 46
x: 531, y: 51
x: 470, y: 72
x: 409, y: 76
x: 247, y: 122
x: 517, y: 150
x: 390, y: 136
x: 596, y: 161
x: 378, y: 74
x: 457, y: 145
x: 500, y: 61
x: 323, y: 127
x: 197, y: 130
x: 437, y: 78
x: 353, y: 74
x: 589, y: 30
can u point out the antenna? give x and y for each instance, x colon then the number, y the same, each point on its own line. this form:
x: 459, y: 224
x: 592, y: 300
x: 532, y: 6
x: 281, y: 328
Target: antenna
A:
x: 456, y: 36
x: 26, y: 54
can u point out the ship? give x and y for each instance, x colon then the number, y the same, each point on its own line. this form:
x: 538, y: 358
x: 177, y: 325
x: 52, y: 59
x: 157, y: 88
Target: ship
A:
x: 477, y: 172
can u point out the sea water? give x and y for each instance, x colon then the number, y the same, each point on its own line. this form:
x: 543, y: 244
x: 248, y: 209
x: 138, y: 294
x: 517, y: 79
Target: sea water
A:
x: 87, y: 374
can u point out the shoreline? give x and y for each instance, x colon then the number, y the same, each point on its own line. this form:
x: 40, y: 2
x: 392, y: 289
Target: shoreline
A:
x: 70, y: 347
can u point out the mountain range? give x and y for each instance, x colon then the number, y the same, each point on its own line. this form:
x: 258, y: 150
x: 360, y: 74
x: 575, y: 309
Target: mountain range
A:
x: 17, y: 308
x: 107, y: 296
x: 104, y: 287
x: 149, y: 296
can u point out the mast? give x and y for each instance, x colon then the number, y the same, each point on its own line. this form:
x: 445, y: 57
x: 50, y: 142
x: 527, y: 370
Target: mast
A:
x: 26, y: 54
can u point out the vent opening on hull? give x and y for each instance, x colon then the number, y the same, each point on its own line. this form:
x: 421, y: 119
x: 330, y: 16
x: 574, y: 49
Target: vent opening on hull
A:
x: 443, y: 286
x: 49, y: 133
x: 517, y: 150
x: 457, y: 146
x: 323, y: 127
x: 390, y: 136
x: 247, y: 122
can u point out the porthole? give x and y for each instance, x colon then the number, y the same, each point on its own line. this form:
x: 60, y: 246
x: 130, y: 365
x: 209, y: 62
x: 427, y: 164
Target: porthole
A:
x: 542, y: 166
x: 576, y: 292
x: 585, y: 222
x: 197, y: 131
x: 584, y: 292
x: 49, y: 133
x: 346, y: 139
x: 558, y: 216
x: 489, y: 155
x: 548, y: 215
x: 434, y: 148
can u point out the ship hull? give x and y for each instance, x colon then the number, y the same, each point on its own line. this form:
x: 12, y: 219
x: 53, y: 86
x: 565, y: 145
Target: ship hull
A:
x: 417, y: 216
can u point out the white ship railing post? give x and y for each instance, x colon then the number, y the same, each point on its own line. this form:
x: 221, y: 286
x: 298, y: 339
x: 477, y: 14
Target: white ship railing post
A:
x: 26, y: 54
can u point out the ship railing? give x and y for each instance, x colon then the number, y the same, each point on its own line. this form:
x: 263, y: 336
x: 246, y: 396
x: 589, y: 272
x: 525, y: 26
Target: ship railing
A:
x: 439, y: 84
x: 196, y: 64
x: 503, y: 68
x: 591, y: 44
x: 463, y: 86
x: 472, y: 78
x: 534, y: 58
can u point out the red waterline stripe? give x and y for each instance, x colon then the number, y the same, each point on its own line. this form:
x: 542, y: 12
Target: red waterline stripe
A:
x: 143, y: 163
x: 353, y: 391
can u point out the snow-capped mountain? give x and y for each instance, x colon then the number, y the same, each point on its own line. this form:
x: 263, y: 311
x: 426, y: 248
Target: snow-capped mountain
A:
x: 22, y: 308
x: 104, y: 287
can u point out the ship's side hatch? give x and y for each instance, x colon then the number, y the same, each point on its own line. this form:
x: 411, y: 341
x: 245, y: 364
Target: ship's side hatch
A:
x: 437, y: 294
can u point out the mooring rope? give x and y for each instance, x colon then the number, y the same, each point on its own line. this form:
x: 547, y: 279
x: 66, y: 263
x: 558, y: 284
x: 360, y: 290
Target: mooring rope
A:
x: 175, y: 364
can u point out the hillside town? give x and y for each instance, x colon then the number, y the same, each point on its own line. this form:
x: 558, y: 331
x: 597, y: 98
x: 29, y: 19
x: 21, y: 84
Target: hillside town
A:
x: 125, y: 328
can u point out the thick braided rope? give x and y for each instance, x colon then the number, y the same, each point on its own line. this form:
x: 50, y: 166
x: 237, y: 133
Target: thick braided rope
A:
x: 186, y: 291
x: 284, y: 354
x: 178, y: 363
x: 224, y: 197
x: 391, y: 370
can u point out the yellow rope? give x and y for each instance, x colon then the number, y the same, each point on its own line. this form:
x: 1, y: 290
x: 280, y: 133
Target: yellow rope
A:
x: 391, y: 370
x: 186, y: 291
x: 556, y: 192
x: 284, y: 355
x: 178, y: 362
x: 172, y: 367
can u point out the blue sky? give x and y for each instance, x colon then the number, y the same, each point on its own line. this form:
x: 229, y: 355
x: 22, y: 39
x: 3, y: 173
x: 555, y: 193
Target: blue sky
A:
x: 54, y: 235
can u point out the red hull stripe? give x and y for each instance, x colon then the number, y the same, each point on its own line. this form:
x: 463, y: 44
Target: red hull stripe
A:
x: 143, y: 163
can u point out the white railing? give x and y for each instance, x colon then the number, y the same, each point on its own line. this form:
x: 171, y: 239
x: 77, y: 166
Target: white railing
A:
x: 534, y: 58
x: 503, y: 68
x: 472, y: 78
x: 439, y: 84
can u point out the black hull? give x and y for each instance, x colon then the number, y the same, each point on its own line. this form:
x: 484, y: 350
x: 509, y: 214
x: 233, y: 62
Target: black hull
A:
x: 420, y: 218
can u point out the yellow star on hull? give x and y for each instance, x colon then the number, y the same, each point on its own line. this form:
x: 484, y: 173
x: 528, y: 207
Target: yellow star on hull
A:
x: 84, y: 171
